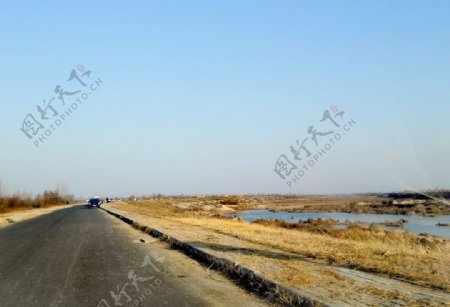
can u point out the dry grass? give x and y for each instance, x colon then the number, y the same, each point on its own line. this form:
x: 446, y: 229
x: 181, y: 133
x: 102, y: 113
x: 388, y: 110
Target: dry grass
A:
x: 352, y: 231
x: 375, y: 204
x: 23, y: 202
x: 397, y: 254
x: 379, y: 204
x: 401, y: 254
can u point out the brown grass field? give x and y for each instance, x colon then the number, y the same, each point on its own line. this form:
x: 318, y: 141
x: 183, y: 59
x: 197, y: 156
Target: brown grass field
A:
x: 21, y: 202
x: 395, y: 254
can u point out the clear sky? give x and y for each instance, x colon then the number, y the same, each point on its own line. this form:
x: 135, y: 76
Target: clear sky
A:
x: 204, y: 96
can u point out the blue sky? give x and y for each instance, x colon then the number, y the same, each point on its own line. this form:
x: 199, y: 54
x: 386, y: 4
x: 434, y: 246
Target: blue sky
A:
x: 204, y: 96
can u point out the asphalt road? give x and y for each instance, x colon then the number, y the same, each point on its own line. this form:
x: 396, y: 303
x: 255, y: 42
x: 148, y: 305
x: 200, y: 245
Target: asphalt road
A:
x: 85, y: 257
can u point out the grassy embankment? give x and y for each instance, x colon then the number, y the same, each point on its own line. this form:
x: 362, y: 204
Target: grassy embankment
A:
x: 422, y: 260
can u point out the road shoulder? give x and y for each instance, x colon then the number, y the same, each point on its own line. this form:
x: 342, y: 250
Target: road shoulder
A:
x: 314, y: 279
x: 22, y: 215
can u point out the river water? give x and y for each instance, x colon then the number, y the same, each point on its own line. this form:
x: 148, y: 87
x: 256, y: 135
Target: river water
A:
x: 416, y: 223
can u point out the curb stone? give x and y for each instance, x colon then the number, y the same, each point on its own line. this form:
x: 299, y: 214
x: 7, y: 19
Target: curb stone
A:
x: 250, y: 279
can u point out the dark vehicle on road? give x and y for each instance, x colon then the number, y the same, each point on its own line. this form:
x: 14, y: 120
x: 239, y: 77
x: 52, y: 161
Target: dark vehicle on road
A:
x: 94, y: 202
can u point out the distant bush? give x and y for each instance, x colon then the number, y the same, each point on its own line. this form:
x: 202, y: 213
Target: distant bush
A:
x: 229, y: 201
x: 47, y: 199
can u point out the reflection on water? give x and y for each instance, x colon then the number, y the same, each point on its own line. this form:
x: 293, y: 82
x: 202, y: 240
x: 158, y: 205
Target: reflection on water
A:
x: 416, y: 223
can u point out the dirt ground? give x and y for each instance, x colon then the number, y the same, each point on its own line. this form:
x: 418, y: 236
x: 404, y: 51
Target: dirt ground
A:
x: 395, y: 203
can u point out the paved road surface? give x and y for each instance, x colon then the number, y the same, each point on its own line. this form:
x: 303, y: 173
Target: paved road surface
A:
x: 85, y: 257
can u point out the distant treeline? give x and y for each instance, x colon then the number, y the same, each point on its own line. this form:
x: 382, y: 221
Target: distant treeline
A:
x: 46, y: 199
x: 413, y: 195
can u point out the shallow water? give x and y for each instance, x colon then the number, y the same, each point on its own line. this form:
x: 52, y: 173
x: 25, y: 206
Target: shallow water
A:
x: 416, y: 223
